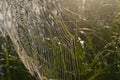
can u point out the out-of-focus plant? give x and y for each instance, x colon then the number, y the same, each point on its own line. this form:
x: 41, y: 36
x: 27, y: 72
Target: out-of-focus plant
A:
x: 11, y: 67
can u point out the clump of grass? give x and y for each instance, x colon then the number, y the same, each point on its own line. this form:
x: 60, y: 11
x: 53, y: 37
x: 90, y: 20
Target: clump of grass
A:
x: 53, y: 48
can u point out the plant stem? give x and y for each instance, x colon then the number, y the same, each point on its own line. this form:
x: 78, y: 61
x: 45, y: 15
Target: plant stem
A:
x: 7, y: 59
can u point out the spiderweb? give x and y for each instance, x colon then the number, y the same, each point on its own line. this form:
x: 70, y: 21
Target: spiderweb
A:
x: 42, y: 37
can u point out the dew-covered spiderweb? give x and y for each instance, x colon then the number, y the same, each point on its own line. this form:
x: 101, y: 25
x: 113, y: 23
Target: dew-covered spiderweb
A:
x: 45, y: 33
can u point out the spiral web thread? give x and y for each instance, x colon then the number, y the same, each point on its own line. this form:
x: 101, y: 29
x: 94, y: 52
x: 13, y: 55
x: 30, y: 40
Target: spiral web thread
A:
x: 44, y: 41
x: 30, y: 23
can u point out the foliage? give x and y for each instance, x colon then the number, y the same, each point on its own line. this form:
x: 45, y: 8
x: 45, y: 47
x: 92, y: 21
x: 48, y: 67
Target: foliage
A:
x: 63, y: 43
x: 11, y: 67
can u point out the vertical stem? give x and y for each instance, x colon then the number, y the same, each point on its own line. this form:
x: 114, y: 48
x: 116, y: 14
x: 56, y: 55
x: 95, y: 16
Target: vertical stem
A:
x: 7, y: 59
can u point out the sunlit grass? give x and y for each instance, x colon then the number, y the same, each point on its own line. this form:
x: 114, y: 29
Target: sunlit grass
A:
x: 64, y: 43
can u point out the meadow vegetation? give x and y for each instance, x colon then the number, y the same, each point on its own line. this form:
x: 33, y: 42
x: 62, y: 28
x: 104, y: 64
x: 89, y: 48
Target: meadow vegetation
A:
x: 71, y: 40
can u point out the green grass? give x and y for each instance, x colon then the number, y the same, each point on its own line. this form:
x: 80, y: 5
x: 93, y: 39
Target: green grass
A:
x: 69, y: 45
